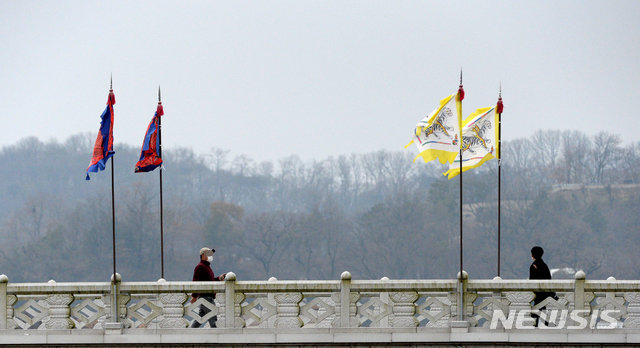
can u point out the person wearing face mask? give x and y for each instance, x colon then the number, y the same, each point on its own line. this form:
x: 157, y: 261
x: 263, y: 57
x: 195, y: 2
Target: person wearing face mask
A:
x: 203, y: 272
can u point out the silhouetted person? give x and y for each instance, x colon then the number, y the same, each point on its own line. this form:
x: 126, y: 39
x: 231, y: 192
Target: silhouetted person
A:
x: 539, y: 270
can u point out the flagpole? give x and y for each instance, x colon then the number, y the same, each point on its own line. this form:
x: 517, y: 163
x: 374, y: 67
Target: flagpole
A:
x: 461, y: 304
x: 161, y: 207
x: 460, y: 96
x: 113, y: 221
x: 461, y: 209
x: 114, y: 282
x: 113, y: 204
x: 499, y: 153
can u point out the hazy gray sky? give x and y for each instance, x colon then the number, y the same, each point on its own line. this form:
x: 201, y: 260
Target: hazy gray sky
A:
x: 313, y: 78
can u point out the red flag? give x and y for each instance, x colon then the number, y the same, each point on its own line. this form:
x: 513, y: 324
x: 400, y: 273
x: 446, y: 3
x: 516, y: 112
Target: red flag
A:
x: 150, y: 157
x: 103, y: 148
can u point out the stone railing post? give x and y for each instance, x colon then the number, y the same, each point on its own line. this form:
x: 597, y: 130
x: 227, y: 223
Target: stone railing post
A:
x: 460, y: 322
x: 231, y: 315
x: 272, y: 301
x: 229, y: 299
x: 345, y: 303
x: 386, y: 303
x: 59, y: 310
x: 115, y: 306
x: 173, y: 309
x: 579, y: 300
x: 6, y: 305
x: 345, y: 292
x: 4, y: 302
x: 578, y: 296
x: 115, y: 291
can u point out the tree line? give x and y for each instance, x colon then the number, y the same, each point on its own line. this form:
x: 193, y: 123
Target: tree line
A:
x: 375, y: 214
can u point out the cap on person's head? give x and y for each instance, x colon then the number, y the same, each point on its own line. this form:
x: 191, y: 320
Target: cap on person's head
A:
x: 207, y: 251
x: 537, y: 252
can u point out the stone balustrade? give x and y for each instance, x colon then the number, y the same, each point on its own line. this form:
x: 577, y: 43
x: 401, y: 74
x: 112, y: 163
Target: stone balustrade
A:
x: 310, y: 304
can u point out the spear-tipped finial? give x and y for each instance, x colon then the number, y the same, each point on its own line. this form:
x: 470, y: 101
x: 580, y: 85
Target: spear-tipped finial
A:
x: 112, y: 97
x: 160, y: 109
x: 500, y: 105
x: 460, y: 95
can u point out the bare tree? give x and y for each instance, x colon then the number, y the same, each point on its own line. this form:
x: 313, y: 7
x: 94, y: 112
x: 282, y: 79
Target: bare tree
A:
x: 630, y: 164
x: 575, y: 152
x: 219, y: 161
x: 604, y: 154
x: 243, y: 165
x: 268, y: 237
x: 546, y: 145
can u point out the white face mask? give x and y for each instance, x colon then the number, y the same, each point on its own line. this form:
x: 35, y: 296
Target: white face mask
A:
x: 210, y: 259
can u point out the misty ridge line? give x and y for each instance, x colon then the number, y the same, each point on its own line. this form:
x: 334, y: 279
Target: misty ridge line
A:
x: 220, y: 158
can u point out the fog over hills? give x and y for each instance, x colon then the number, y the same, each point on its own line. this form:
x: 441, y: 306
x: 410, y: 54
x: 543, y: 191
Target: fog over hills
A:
x: 376, y: 214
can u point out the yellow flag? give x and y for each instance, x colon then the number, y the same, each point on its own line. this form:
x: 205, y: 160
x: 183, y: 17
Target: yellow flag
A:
x: 438, y: 134
x: 479, y: 141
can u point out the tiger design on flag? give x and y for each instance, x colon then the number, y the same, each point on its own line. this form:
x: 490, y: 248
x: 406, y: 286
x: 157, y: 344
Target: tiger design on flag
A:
x: 438, y: 125
x: 477, y: 138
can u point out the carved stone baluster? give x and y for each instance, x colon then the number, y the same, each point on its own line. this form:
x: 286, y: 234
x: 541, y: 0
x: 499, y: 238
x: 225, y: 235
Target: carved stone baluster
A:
x: 633, y: 310
x: 335, y: 298
x: 221, y: 302
x: 353, y: 308
x: 288, y: 310
x: 173, y: 310
x: 59, y: 311
x: 404, y: 309
x: 123, y: 300
x: 452, y: 297
x: 237, y: 310
x: 11, y: 300
x: 469, y: 298
x: 106, y: 300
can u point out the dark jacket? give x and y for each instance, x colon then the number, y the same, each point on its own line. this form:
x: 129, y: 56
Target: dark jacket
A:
x: 539, y: 270
x: 204, y: 273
